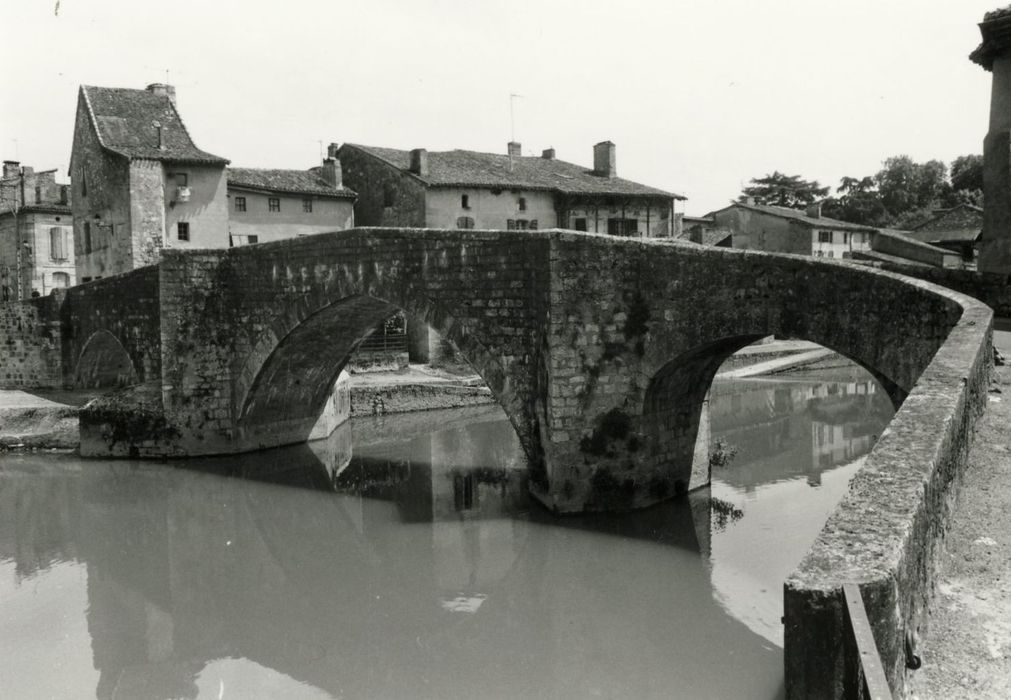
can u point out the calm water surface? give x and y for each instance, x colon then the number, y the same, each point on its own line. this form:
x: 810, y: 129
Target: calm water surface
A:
x: 402, y: 558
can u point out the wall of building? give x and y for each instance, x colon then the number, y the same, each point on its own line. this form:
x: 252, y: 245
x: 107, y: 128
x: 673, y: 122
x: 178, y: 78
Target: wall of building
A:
x: 105, y: 207
x: 757, y: 231
x: 206, y: 211
x: 659, y: 223
x: 378, y: 184
x: 490, y: 209
x: 328, y: 214
x: 45, y: 269
x: 910, y: 249
x: 842, y: 245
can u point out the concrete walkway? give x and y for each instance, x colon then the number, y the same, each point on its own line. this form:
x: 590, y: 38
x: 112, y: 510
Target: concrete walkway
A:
x: 966, y: 649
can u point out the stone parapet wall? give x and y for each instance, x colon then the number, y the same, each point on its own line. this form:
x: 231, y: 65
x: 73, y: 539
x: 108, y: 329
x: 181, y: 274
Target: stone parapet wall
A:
x: 30, y: 344
x: 903, y: 247
x: 887, y: 533
x: 990, y: 288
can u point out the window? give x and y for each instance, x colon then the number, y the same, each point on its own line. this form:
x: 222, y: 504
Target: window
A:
x: 518, y: 224
x: 622, y: 227
x: 821, y: 253
x: 523, y: 203
x: 824, y: 236
x: 464, y: 222
x: 87, y: 236
x: 237, y: 240
x: 57, y: 243
x: 183, y: 230
x: 579, y: 224
x: 845, y: 237
x: 533, y: 224
x: 38, y: 194
x: 240, y: 204
x: 307, y: 205
x: 274, y: 204
x: 465, y: 201
x: 61, y: 280
x: 181, y: 179
x: 463, y: 492
x: 84, y: 185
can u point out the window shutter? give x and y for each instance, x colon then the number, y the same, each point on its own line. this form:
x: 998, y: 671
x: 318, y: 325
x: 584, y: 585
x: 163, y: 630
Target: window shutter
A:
x: 56, y: 243
x: 511, y: 224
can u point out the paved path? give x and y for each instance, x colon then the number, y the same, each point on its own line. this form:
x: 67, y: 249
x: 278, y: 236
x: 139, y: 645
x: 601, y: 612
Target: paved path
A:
x: 966, y: 649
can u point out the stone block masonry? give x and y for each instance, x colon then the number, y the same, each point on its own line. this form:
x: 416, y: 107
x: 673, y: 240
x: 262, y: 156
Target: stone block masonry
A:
x: 30, y: 344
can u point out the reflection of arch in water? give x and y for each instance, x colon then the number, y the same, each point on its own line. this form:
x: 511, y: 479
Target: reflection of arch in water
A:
x: 104, y: 364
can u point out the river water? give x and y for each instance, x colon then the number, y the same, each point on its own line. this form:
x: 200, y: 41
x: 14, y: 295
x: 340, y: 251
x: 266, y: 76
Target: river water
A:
x: 402, y: 558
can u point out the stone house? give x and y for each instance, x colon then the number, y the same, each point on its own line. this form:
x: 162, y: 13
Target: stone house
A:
x: 36, y: 233
x: 140, y: 183
x: 783, y: 230
x: 957, y: 229
x: 469, y: 189
x: 704, y: 231
x: 269, y: 205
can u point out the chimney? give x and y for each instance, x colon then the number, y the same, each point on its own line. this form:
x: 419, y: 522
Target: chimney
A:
x: 750, y: 201
x: 332, y: 172
x: 603, y: 159
x: 514, y: 149
x: 161, y: 139
x: 814, y: 210
x: 419, y: 162
x: 12, y: 168
x: 331, y: 150
x: 164, y: 90
x: 548, y: 154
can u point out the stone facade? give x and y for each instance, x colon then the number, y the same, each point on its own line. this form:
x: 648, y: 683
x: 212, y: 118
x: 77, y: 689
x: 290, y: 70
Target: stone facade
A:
x: 140, y: 184
x: 36, y: 233
x: 255, y: 223
x: 386, y: 196
x: 782, y: 230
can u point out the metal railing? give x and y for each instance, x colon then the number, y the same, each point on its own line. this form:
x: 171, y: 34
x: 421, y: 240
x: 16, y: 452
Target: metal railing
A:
x: 872, y: 683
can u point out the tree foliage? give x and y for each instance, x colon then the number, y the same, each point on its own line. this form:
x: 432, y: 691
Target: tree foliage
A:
x: 782, y: 190
x: 900, y: 195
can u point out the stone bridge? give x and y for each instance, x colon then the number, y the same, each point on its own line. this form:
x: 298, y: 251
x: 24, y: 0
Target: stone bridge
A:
x: 600, y: 350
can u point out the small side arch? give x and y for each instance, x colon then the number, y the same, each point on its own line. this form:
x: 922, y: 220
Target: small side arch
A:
x: 104, y: 364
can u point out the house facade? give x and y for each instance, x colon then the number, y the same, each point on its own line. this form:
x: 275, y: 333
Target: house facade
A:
x: 470, y: 189
x: 270, y: 205
x: 140, y: 183
x: 36, y: 233
x: 783, y: 230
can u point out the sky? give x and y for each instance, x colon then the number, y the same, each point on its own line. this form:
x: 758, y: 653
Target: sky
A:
x: 699, y: 96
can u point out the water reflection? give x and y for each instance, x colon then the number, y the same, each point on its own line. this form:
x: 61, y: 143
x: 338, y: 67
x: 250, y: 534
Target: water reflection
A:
x: 411, y: 566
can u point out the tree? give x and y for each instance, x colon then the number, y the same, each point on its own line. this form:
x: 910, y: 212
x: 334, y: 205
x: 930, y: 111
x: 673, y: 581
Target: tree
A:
x: 859, y: 203
x: 967, y: 173
x: 783, y: 190
x: 906, y: 185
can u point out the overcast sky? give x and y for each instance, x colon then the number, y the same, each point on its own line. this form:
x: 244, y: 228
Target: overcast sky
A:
x: 699, y: 96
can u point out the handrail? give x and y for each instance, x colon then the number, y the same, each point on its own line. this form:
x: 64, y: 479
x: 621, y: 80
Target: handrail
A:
x: 871, y: 672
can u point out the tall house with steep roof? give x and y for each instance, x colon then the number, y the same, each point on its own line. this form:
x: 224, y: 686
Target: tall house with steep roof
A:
x: 140, y: 183
x: 469, y: 189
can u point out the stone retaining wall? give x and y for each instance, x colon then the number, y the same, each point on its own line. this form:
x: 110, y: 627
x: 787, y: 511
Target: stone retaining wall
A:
x: 30, y: 344
x: 887, y: 533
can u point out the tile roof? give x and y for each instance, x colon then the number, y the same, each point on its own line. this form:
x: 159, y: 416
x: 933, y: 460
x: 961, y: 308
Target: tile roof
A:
x: 124, y: 120
x: 475, y: 169
x: 801, y: 217
x: 295, y: 181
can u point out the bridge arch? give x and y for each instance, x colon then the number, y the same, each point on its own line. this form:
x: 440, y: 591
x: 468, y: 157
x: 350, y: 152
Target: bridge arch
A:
x: 281, y: 386
x: 104, y: 363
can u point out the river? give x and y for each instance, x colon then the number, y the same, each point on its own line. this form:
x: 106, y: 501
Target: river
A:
x: 402, y: 558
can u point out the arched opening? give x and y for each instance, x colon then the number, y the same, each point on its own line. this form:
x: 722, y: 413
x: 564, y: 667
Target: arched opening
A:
x: 283, y: 385
x: 104, y: 364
